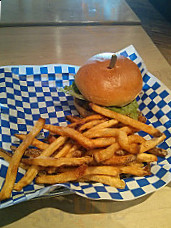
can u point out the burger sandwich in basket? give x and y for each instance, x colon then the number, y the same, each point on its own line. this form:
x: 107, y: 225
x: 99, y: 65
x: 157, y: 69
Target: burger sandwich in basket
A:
x: 110, y: 80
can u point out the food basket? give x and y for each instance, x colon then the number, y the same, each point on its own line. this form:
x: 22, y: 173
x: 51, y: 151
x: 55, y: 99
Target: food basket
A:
x: 29, y: 92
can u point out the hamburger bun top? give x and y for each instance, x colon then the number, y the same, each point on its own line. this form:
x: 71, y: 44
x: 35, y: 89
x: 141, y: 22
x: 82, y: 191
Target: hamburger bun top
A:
x: 109, y: 87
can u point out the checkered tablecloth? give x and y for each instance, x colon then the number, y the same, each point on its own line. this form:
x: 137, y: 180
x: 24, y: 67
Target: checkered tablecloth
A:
x: 28, y: 92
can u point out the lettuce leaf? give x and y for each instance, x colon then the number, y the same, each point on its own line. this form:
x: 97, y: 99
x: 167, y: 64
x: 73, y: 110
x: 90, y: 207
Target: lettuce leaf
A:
x: 72, y: 90
x: 130, y: 110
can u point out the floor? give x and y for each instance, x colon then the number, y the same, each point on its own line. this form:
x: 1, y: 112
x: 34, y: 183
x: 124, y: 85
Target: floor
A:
x: 155, y: 25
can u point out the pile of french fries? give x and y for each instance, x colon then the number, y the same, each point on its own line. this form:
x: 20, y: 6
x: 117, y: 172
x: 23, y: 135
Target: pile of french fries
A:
x: 102, y: 147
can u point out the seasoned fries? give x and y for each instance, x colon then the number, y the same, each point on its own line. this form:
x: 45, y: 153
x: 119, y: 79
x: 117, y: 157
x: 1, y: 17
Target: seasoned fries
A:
x: 90, y: 124
x: 48, y: 161
x: 102, y: 170
x: 107, y: 153
x: 158, y: 152
x: 105, y: 179
x: 29, y: 152
x: 73, y: 134
x: 143, y: 157
x: 33, y: 170
x: 62, y: 177
x: 37, y: 143
x: 7, y: 156
x: 85, y: 120
x: 64, y: 150
x: 15, y: 161
x: 73, y: 119
x: 126, y: 120
x: 105, y: 132
x: 120, y: 160
x: 97, y: 148
x: 147, y: 145
x: 135, y: 170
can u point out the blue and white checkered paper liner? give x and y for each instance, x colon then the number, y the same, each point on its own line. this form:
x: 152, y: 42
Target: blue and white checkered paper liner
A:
x: 28, y: 92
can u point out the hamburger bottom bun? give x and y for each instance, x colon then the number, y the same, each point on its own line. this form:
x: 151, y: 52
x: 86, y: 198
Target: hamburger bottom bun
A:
x: 109, y: 87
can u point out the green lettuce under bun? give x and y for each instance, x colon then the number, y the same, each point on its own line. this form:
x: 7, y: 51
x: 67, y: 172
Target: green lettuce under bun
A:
x: 130, y: 110
x: 72, y: 90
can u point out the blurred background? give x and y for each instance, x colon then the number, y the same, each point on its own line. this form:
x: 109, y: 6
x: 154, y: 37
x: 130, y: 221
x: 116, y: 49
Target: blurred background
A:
x: 153, y: 15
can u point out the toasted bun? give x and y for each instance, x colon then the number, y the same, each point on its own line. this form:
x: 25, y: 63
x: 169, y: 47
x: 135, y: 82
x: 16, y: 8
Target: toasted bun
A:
x: 109, y: 87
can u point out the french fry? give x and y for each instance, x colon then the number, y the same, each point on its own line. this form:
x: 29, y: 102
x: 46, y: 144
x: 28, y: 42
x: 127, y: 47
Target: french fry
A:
x: 91, y: 170
x: 73, y: 151
x: 15, y: 161
x: 102, y: 132
x: 103, y: 142
x: 120, y: 152
x: 76, y: 154
x: 126, y: 120
x: 73, y: 119
x: 158, y: 152
x: 102, y: 170
x: 33, y: 170
x: 128, y: 130
x: 92, y: 151
x: 105, y: 132
x: 64, y: 151
x: 73, y: 134
x: 51, y: 138
x: 120, y: 160
x: 90, y: 124
x: 7, y: 156
x: 62, y: 177
x: 107, y: 153
x: 120, y: 133
x: 124, y: 143
x: 134, y: 170
x: 136, y: 164
x: 143, y: 157
x: 50, y: 170
x: 50, y: 161
x: 142, y: 118
x: 29, y: 152
x: 86, y: 119
x: 135, y: 139
x: 149, y: 144
x: 90, y: 118
x: 100, y: 148
x: 37, y: 143
x: 109, y: 180
x: 106, y: 124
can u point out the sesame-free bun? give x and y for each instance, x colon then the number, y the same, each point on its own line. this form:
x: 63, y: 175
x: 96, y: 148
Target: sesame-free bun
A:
x: 109, y: 87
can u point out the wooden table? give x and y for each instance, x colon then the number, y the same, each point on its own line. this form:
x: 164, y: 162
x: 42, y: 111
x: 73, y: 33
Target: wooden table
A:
x: 73, y: 45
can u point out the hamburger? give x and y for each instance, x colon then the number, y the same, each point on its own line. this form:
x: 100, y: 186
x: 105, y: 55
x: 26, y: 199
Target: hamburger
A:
x: 109, y: 80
